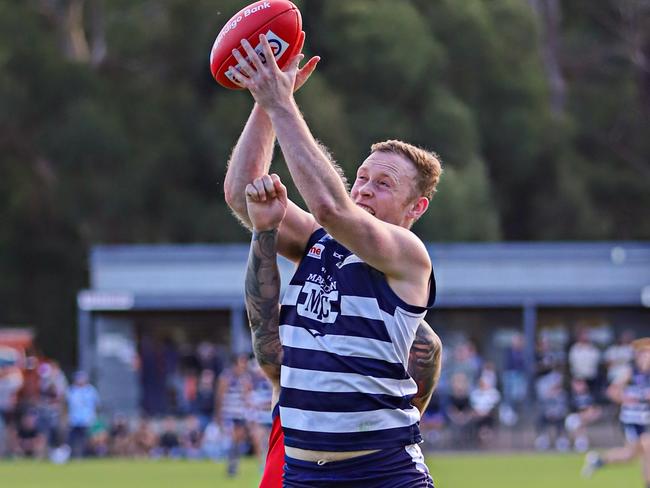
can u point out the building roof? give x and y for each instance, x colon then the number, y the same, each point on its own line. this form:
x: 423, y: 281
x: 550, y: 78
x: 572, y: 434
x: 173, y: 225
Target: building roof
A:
x: 478, y: 275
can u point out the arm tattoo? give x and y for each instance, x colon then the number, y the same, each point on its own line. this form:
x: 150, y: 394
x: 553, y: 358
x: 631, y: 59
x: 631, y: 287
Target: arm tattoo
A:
x: 263, y: 301
x: 424, y: 364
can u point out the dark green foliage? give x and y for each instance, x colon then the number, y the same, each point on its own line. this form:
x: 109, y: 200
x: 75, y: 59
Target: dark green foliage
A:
x: 133, y: 147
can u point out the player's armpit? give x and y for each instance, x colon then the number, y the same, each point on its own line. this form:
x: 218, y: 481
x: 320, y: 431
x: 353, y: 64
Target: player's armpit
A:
x: 424, y: 364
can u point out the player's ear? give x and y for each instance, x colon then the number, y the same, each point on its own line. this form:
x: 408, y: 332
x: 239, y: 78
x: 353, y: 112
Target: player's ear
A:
x: 418, y: 207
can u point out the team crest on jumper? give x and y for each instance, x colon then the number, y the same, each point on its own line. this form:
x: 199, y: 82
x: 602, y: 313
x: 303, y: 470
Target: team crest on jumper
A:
x: 320, y: 298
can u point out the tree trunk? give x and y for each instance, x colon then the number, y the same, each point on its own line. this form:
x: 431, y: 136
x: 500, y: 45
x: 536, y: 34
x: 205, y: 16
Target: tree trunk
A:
x: 550, y: 16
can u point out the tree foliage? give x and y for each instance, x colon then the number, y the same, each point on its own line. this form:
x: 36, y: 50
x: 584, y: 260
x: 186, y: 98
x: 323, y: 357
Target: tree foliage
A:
x: 112, y: 130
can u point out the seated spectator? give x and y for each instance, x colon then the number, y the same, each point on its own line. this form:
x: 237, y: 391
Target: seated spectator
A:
x: 459, y: 410
x: 120, y: 437
x: 168, y: 441
x: 98, y: 439
x: 190, y: 438
x: 584, y: 411
x: 145, y: 439
x: 433, y: 421
x: 214, y: 444
x: 30, y: 440
x: 553, y: 407
x: 484, y: 401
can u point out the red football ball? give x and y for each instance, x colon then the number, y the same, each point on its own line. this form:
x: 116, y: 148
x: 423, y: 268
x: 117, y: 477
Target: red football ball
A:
x: 279, y: 20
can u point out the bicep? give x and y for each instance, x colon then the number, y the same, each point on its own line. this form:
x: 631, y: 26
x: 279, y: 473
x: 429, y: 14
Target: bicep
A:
x: 379, y: 243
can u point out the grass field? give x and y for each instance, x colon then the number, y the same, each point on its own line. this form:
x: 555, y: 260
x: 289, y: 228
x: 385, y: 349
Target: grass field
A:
x: 449, y: 471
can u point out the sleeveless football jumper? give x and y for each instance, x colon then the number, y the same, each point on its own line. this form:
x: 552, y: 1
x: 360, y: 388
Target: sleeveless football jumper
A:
x: 637, y: 412
x: 346, y: 338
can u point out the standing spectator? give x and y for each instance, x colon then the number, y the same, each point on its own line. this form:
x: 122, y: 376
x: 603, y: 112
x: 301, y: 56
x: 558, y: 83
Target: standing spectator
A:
x: 547, y: 357
x: 203, y: 405
x: 51, y: 404
x: 152, y: 377
x: 466, y: 361
x: 83, y: 402
x: 619, y: 357
x: 484, y: 400
x: 11, y: 381
x: 233, y: 400
x: 584, y: 358
x: 514, y: 373
x: 206, y: 354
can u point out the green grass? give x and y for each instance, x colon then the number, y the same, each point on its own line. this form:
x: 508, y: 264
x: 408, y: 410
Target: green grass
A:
x: 449, y: 471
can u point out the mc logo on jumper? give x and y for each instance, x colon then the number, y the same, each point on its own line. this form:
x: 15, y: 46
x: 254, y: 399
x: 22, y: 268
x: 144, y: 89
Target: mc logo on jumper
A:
x: 318, y: 304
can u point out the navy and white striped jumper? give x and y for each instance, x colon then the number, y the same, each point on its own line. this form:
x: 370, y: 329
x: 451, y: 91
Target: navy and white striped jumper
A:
x: 346, y: 338
x: 636, y: 409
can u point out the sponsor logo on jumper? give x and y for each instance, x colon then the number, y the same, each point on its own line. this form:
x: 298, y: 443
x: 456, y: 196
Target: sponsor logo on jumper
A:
x: 278, y: 47
x: 316, y: 251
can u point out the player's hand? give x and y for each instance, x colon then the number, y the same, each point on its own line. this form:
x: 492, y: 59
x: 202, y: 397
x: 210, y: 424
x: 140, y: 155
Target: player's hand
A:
x: 306, y: 71
x: 303, y: 73
x: 266, y: 202
x: 270, y: 86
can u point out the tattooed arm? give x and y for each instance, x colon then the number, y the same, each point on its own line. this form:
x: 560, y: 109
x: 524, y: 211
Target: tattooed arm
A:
x: 263, y: 302
x: 424, y: 364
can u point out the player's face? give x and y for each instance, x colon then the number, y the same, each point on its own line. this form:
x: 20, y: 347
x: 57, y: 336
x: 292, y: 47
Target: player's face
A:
x: 384, y: 187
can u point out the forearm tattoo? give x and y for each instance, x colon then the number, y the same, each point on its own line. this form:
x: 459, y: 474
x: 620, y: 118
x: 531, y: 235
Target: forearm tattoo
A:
x: 263, y: 300
x: 424, y: 364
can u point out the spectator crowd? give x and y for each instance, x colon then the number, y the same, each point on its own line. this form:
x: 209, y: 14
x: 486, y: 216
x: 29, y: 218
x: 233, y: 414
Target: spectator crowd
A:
x: 210, y: 413
x: 566, y: 394
x: 194, y: 408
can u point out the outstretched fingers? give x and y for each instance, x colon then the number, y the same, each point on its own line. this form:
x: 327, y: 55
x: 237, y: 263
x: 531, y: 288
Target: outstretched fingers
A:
x: 305, y: 72
x: 240, y: 78
x: 268, y: 52
x: 242, y: 63
x: 252, y: 55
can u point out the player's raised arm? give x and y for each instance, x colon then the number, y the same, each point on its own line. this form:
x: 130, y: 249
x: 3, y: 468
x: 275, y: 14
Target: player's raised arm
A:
x: 267, y: 208
x: 251, y: 158
x: 351, y: 222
